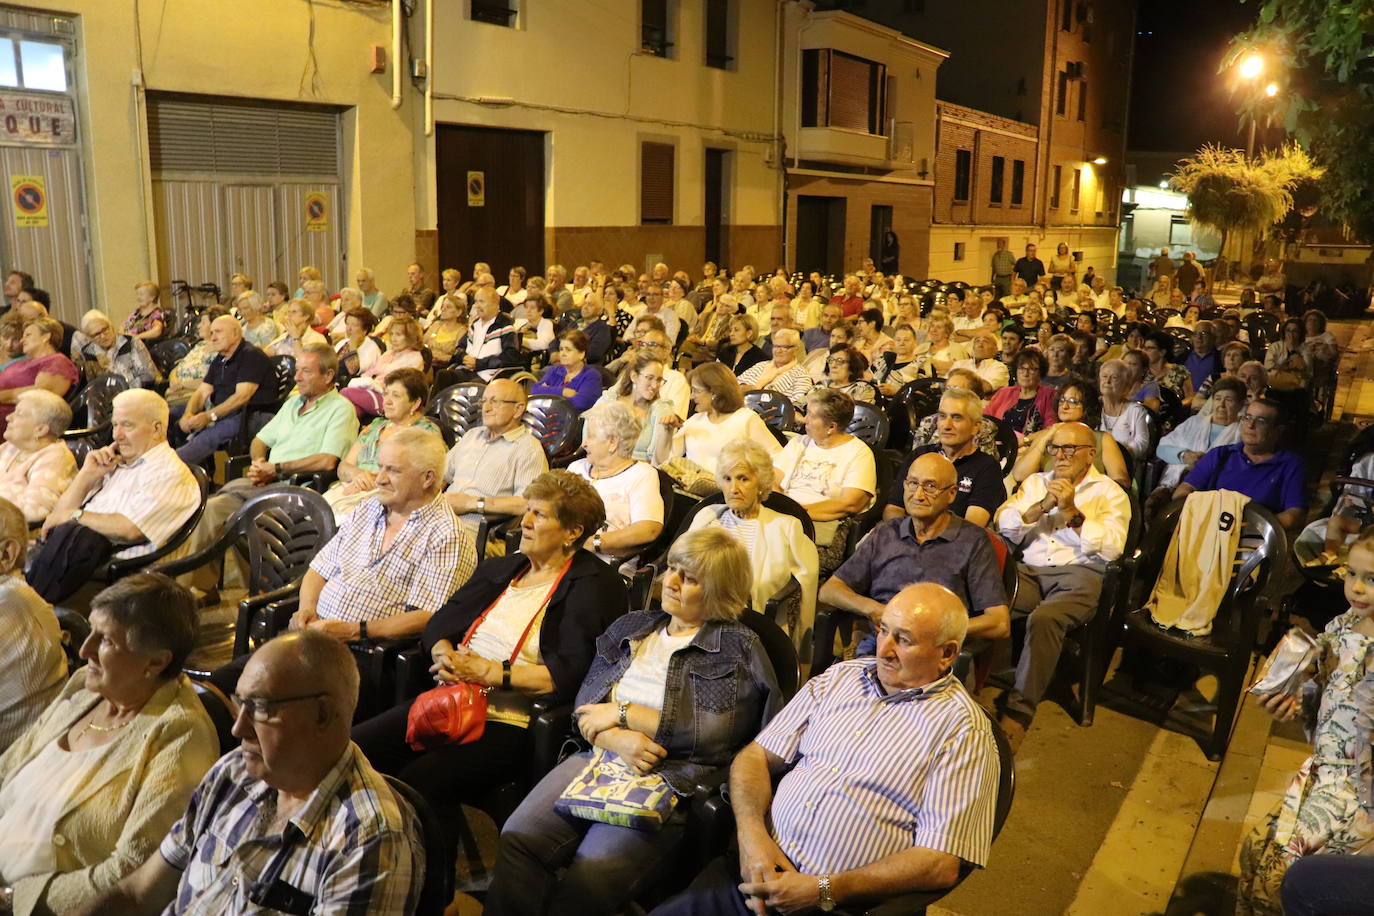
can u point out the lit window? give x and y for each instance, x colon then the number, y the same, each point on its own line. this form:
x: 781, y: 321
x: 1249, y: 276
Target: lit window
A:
x: 44, y: 67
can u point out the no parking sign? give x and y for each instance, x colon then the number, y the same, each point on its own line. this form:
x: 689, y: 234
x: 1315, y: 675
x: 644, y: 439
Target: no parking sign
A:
x: 30, y: 196
x: 316, y: 212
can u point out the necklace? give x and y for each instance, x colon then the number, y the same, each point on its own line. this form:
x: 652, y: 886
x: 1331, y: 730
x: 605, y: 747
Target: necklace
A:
x: 100, y: 729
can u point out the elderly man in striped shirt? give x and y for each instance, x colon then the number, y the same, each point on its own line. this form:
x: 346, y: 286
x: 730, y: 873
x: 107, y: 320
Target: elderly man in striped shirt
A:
x: 295, y: 820
x: 889, y: 779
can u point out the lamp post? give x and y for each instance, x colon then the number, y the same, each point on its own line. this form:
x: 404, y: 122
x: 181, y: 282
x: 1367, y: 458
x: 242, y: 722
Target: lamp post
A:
x: 1250, y: 69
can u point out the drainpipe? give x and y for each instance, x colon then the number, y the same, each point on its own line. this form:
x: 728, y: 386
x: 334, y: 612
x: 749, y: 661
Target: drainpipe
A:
x: 779, y: 144
x: 429, y: 68
x: 397, y: 23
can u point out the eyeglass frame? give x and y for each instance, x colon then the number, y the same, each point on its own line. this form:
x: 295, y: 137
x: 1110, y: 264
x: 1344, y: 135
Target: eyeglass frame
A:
x: 257, y: 707
x: 1057, y: 448
x: 926, y: 486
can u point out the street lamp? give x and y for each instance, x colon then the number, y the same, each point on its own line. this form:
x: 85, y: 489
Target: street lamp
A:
x: 1250, y: 69
x: 1271, y: 90
x: 1252, y: 66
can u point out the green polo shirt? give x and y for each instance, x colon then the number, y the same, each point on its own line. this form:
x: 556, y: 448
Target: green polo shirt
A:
x: 329, y: 425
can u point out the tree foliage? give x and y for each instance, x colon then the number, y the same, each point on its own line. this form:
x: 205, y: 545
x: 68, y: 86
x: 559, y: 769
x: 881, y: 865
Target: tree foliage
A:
x: 1230, y: 192
x: 1321, y: 54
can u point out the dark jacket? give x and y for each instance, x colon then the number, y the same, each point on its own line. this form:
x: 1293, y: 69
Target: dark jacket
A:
x: 719, y: 693
x: 600, y: 335
x: 590, y: 596
x: 503, y: 328
x: 752, y: 356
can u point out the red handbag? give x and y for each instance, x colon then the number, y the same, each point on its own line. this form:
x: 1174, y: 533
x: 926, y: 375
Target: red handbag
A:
x: 457, y: 713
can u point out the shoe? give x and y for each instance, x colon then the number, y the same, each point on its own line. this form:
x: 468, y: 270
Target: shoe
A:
x: 1014, y: 730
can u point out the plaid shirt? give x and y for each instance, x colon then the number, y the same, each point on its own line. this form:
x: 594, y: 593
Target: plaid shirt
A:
x: 427, y: 561
x: 352, y: 848
x: 1003, y: 263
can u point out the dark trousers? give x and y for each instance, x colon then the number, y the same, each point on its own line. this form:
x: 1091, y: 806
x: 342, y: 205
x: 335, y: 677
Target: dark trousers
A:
x: 715, y: 892
x: 446, y: 776
x: 66, y: 559
x: 1328, y: 885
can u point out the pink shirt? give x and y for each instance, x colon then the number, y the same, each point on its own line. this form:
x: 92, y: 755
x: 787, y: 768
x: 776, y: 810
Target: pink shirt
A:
x: 36, y: 480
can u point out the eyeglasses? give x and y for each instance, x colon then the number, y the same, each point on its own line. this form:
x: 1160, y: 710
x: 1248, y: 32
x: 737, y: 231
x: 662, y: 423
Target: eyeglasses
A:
x: 1261, y: 422
x: 492, y: 402
x: 929, y: 487
x: 259, y: 709
x: 650, y: 344
x: 784, y: 346
x: 1068, y: 451
x: 651, y: 379
x: 1071, y: 402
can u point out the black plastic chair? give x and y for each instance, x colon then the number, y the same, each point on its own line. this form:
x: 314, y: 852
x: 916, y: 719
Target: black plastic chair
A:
x: 118, y: 569
x: 167, y: 353
x: 221, y: 711
x: 75, y: 628
x: 870, y: 424
x: 920, y: 398
x: 255, y: 417
x: 458, y: 408
x: 96, y: 403
x: 557, y: 426
x: 1227, y: 650
x: 1007, y: 444
x: 776, y: 411
x: 437, y: 891
x: 279, y: 529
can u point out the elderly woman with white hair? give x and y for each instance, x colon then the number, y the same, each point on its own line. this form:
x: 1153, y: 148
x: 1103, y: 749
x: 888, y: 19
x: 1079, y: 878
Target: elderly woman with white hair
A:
x: 297, y: 333
x: 671, y: 696
x: 100, y: 349
x: 629, y: 488
x: 349, y: 299
x: 258, y: 327
x: 36, y: 467
x: 777, y: 544
x: 784, y: 374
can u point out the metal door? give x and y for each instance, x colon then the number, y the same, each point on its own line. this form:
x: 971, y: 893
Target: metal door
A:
x: 249, y: 218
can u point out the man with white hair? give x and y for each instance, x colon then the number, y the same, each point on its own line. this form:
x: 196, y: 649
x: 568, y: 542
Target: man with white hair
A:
x: 98, y: 348
x: 36, y: 467
x: 127, y: 500
x: 901, y: 726
x: 295, y: 820
x: 239, y: 376
x: 785, y: 374
x: 374, y: 300
x: 491, y: 342
x: 30, y: 640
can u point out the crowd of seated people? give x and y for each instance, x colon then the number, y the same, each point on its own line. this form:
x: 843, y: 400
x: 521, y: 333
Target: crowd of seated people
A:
x: 1042, y: 417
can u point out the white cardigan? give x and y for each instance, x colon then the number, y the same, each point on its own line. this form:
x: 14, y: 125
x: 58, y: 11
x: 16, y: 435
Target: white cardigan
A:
x: 1130, y: 429
x: 781, y: 550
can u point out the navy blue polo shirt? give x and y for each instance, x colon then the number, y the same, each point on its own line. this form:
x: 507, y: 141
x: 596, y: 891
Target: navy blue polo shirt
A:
x: 246, y: 364
x: 1277, y: 484
x: 980, y: 481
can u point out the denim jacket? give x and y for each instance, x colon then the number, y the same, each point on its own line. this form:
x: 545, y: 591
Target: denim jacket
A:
x: 720, y: 692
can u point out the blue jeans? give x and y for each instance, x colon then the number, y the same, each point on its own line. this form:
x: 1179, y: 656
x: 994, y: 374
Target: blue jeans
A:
x: 1325, y: 885
x: 204, y: 443
x: 605, y: 866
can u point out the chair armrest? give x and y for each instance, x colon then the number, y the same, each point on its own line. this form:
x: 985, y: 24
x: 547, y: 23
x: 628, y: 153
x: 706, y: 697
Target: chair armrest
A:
x: 249, y: 609
x: 272, y: 619
x: 319, y: 481
x: 783, y: 596
x: 412, y: 674
x: 550, y: 728
x: 829, y: 620
x: 235, y: 466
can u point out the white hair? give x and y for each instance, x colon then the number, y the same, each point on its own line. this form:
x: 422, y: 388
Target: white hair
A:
x: 750, y: 454
x: 94, y: 315
x: 973, y: 405
x: 52, y: 412
x: 425, y: 450
x: 147, y: 404
x: 614, y: 419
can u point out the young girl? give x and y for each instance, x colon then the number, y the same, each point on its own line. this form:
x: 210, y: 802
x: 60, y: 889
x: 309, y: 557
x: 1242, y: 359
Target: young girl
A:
x: 1325, y: 808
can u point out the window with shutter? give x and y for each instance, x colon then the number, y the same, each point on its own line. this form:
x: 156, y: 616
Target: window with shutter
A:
x: 1018, y: 182
x: 999, y: 165
x: 1077, y: 189
x: 242, y: 136
x: 656, y: 182
x: 1061, y: 102
x: 857, y: 87
x: 963, y: 168
x: 1056, y: 182
x: 718, y: 34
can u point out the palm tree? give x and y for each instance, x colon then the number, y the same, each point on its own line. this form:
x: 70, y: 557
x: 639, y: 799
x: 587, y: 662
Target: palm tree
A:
x: 1229, y: 192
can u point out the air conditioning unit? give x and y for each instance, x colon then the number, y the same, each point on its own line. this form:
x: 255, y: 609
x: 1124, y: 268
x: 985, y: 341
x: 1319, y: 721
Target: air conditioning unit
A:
x: 901, y: 142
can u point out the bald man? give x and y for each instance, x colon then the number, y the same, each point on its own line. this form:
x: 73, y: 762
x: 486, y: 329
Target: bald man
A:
x: 488, y: 469
x: 239, y: 376
x: 1071, y: 521
x: 491, y: 342
x: 294, y: 820
x: 128, y: 499
x: 928, y: 544
x: 900, y: 725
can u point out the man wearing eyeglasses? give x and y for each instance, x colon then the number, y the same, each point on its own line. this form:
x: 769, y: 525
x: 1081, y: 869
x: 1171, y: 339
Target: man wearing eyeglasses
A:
x: 295, y: 820
x: 979, y: 490
x: 491, y: 465
x: 1071, y: 521
x: 784, y: 374
x: 1256, y: 466
x: 928, y: 544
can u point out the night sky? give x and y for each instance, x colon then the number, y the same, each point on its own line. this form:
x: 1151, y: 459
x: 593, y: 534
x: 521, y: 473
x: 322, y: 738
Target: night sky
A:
x: 1178, y: 101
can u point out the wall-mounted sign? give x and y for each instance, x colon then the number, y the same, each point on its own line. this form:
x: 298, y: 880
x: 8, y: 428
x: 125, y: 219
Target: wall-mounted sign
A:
x: 316, y: 212
x: 28, y: 119
x: 477, y: 189
x: 30, y: 196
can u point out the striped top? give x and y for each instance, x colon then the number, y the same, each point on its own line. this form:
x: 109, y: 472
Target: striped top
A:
x: 351, y: 850
x: 156, y: 492
x: 872, y: 773
x: 30, y: 655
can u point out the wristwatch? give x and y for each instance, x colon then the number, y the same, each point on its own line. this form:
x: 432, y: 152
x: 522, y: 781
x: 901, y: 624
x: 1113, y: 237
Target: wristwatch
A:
x: 482, y: 505
x: 214, y: 417
x: 827, y: 902
x: 624, y: 710
x: 596, y: 543
x: 505, y: 675
x: 362, y: 631
x: 76, y: 515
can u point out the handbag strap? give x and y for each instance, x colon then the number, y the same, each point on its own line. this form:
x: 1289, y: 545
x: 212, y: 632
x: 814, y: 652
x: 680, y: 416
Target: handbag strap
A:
x: 520, y: 644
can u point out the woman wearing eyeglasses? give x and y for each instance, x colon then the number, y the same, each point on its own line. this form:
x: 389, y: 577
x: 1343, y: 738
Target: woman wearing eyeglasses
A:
x: 90, y: 790
x: 1077, y: 402
x: 640, y: 388
x: 1027, y: 404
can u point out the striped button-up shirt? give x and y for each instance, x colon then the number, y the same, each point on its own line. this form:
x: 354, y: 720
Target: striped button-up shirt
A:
x: 430, y: 557
x: 352, y: 848
x: 481, y: 464
x: 876, y: 773
x: 156, y: 492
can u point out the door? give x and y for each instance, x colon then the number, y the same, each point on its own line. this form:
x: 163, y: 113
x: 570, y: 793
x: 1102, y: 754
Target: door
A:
x: 879, y: 222
x: 717, y: 206
x: 820, y: 234
x: 250, y: 228
x: 490, y: 198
